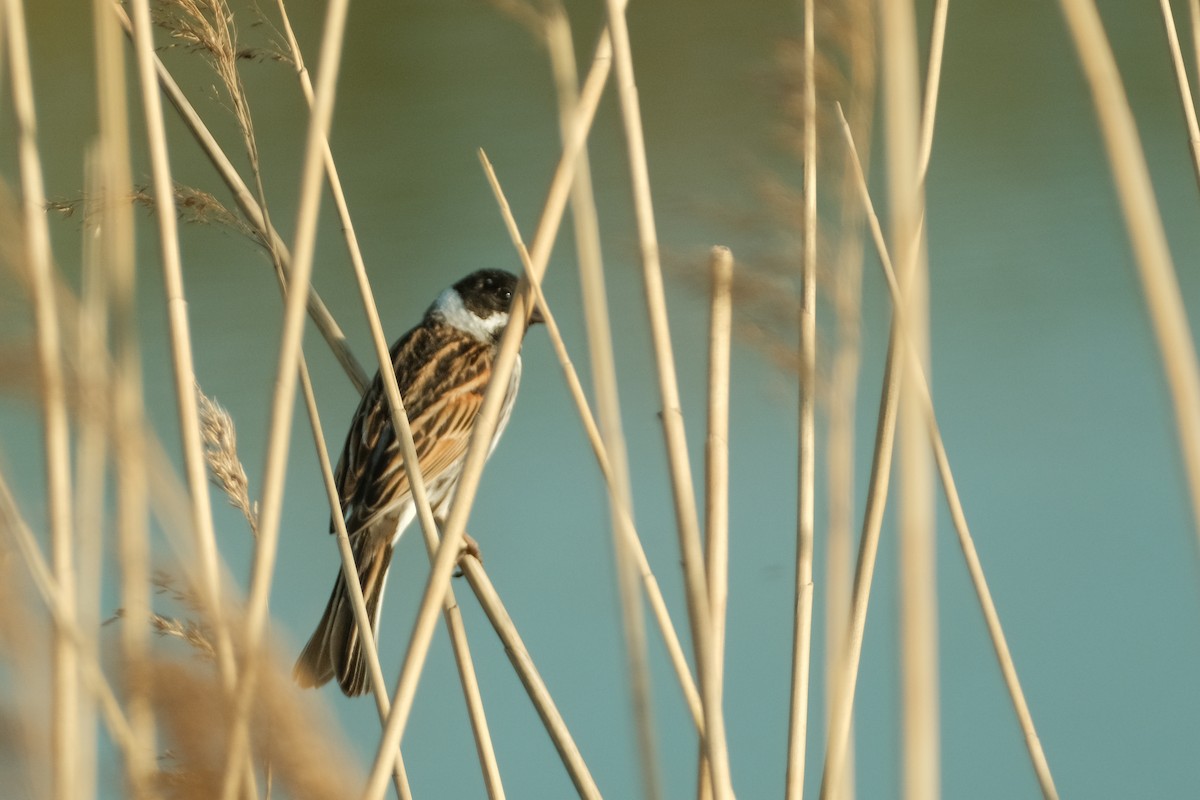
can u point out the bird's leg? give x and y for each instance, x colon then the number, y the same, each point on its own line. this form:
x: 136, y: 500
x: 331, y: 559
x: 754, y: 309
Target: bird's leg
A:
x: 470, y: 547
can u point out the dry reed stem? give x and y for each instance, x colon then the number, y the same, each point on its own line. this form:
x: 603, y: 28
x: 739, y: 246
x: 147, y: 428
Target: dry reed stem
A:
x: 561, y: 47
x: 326, y: 324
x: 448, y: 552
x: 283, y: 401
x: 47, y: 586
x: 683, y: 492
x: 846, y: 300
x: 716, y: 472
x: 716, y: 449
x: 842, y: 705
x: 116, y: 251
x: 917, y: 551
x: 1185, y: 90
x: 1135, y: 192
x: 630, y: 556
x: 517, y: 653
x: 974, y: 567
x: 56, y: 434
x: 1194, y: 15
x: 350, y: 572
x: 91, y: 459
x: 180, y: 337
x: 933, y: 80
x: 483, y: 743
x: 806, y: 486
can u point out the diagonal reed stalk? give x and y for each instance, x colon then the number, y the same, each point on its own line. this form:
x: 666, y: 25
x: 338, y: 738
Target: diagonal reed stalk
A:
x: 974, y: 567
x: 627, y: 543
x: 180, y: 337
x: 1185, y: 90
x: 64, y: 701
x: 688, y: 526
x: 283, y: 400
x: 624, y: 516
x: 1152, y: 256
x: 350, y: 571
x: 453, y: 616
x: 842, y: 710
x: 63, y: 614
x: 484, y: 425
x: 806, y: 485
x: 1168, y: 315
x: 326, y: 324
x: 630, y: 558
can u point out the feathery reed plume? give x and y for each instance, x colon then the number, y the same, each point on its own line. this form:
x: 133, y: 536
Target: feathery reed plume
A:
x: 220, y: 451
x: 195, y: 715
x: 193, y: 206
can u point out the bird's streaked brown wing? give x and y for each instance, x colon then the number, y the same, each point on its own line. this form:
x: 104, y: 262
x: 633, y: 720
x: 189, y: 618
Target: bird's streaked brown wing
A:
x: 441, y: 378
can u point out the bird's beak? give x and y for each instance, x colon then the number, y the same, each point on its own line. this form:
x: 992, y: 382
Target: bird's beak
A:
x: 535, y: 316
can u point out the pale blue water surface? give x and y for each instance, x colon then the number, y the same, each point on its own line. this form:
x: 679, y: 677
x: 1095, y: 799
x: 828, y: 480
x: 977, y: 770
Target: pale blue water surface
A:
x: 1048, y: 385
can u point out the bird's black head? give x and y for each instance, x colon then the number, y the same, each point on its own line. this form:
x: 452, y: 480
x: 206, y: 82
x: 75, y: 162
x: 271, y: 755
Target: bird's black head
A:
x: 487, y: 292
x: 479, y: 304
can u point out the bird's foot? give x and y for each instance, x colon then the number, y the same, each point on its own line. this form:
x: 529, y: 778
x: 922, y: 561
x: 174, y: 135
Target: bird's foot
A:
x: 470, y: 547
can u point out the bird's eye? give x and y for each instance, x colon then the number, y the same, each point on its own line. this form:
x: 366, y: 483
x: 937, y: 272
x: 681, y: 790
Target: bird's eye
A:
x: 508, y: 294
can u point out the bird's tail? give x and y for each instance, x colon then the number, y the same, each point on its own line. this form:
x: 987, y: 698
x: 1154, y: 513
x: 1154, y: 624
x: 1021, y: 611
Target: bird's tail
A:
x: 335, y: 648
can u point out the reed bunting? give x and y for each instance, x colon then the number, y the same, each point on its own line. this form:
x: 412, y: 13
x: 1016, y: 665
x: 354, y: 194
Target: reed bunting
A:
x: 442, y: 367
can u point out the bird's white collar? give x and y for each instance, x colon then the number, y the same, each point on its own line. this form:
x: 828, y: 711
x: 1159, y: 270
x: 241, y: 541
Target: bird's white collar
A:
x: 449, y: 307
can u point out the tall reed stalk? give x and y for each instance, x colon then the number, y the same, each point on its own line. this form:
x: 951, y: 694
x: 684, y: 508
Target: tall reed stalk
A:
x: 224, y: 720
x: 36, y: 241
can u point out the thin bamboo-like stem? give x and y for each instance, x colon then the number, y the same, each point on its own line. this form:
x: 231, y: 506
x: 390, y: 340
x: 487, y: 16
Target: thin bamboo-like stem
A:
x: 483, y: 743
x: 933, y: 81
x: 117, y: 250
x: 1156, y: 271
x: 846, y: 300
x: 1194, y: 16
x: 716, y: 472
x: 64, y: 722
x: 600, y: 449
x: 975, y: 568
x: 283, y: 400
x: 1185, y: 90
x: 448, y: 552
x: 682, y: 490
x: 91, y: 453
x: 842, y: 711
x: 631, y: 558
x: 629, y: 554
x: 326, y: 324
x: 180, y: 336
x: 517, y: 653
x: 917, y: 551
x: 63, y: 614
x: 716, y: 449
x: 350, y: 572
x: 806, y: 486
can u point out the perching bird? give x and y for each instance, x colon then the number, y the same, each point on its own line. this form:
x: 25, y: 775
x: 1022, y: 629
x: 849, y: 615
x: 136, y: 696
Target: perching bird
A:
x: 442, y: 368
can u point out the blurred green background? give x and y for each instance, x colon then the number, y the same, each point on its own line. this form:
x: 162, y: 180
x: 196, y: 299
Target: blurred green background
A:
x: 1046, y: 378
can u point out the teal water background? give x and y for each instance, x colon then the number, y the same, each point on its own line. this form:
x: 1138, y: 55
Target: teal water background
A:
x: 1046, y: 379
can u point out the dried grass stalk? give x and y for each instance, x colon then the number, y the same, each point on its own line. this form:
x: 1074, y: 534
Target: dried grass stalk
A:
x: 64, y: 700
